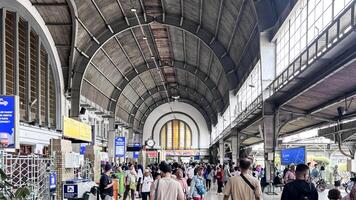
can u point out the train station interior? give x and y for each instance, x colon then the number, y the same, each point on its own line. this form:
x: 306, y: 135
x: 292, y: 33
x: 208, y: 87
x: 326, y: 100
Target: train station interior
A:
x: 85, y: 83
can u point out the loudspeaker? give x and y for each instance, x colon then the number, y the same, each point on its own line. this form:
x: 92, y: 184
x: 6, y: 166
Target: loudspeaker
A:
x: 82, y: 111
x: 116, y: 126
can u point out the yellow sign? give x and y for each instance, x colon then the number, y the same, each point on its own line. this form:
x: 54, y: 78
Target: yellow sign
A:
x: 76, y: 130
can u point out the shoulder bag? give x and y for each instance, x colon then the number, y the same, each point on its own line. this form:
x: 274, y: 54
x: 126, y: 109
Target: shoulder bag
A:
x: 156, y: 190
x: 248, y: 182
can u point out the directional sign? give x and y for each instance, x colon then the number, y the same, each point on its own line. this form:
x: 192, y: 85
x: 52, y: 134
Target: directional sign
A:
x: 83, y: 148
x: 136, y: 154
x: 8, y: 121
x: 120, y: 147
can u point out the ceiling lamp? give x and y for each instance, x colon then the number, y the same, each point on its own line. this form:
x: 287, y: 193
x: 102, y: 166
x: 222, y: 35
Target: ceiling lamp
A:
x: 175, y: 97
x: 133, y: 10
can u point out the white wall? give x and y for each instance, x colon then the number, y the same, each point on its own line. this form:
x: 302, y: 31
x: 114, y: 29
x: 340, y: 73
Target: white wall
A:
x: 182, y: 110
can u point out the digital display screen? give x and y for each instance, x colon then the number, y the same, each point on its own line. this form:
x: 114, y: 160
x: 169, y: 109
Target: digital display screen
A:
x: 293, y: 155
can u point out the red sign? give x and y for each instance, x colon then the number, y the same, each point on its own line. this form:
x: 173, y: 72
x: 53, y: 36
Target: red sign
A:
x: 152, y: 154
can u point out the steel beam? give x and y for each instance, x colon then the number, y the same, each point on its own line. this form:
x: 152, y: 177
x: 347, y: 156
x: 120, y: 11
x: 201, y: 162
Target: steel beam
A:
x: 48, y: 4
x: 47, y: 103
x: 123, y: 12
x: 102, y: 16
x: 311, y: 81
x: 218, y: 21
x: 84, y: 79
x: 16, y: 54
x: 190, y: 26
x: 237, y: 22
x: 38, y: 81
x: 156, y: 90
x: 28, y: 71
x: 333, y: 102
x: 179, y: 65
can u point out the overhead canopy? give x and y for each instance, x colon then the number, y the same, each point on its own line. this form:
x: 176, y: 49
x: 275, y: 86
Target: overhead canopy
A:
x: 132, y: 56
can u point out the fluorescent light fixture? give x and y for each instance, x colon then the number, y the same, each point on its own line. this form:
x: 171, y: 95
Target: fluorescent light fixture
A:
x: 133, y: 10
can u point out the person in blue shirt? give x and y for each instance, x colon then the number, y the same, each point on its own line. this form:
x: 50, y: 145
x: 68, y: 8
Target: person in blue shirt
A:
x: 197, y: 186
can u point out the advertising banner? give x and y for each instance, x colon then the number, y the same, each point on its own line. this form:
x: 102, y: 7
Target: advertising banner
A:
x: 120, y: 147
x: 8, y: 121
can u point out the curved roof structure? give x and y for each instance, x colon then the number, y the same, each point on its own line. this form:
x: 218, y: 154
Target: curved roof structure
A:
x: 132, y: 55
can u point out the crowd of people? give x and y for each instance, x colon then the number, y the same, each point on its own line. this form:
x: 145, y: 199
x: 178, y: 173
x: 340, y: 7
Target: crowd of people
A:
x: 178, y: 181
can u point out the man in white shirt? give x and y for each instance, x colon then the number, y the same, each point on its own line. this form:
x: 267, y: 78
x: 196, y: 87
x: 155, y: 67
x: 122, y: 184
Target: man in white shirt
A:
x: 190, y: 173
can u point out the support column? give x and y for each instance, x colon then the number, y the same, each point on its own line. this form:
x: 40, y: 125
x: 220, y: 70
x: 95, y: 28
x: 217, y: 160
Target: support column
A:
x: 270, y: 139
x: 221, y: 151
x: 111, y: 139
x: 268, y: 57
x: 235, y: 145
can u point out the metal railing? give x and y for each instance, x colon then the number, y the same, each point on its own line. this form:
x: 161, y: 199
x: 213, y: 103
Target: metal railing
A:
x: 257, y: 103
x: 338, y: 29
x: 253, y: 106
x: 31, y: 171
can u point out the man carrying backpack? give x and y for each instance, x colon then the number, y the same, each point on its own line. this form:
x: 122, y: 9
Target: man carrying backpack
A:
x: 300, y: 188
x: 197, y: 186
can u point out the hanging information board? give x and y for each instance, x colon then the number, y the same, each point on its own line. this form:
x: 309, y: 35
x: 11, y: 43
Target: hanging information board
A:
x: 120, y: 147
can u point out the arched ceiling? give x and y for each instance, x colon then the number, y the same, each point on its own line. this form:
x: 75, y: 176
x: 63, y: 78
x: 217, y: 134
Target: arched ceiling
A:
x: 132, y: 54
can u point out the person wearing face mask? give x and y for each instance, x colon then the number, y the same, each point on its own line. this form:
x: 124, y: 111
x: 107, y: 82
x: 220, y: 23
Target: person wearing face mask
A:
x: 300, y: 188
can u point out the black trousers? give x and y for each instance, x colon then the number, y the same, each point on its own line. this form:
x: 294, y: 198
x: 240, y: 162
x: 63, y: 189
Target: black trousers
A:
x: 145, y: 195
x: 220, y: 186
x: 208, y: 184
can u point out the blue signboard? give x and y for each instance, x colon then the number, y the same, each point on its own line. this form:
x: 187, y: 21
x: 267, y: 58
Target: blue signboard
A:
x: 52, y: 181
x: 7, y: 121
x: 293, y: 155
x: 136, y: 154
x: 70, y: 191
x: 83, y: 148
x: 120, y: 147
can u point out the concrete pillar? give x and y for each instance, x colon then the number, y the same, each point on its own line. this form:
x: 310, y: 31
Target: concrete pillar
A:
x: 111, y: 139
x: 221, y: 151
x: 268, y: 57
x: 270, y: 139
x: 235, y: 145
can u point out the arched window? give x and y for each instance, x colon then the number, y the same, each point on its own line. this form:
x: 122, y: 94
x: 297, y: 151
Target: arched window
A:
x: 176, y: 134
